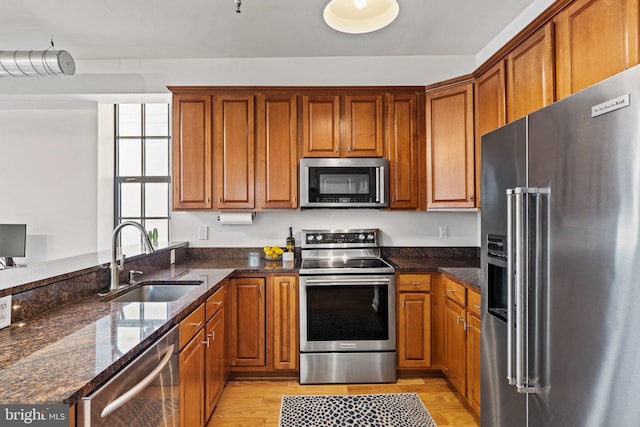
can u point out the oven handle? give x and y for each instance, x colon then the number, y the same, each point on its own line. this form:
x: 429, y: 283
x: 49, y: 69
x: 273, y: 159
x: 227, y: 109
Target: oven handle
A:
x: 376, y: 281
x: 133, y: 391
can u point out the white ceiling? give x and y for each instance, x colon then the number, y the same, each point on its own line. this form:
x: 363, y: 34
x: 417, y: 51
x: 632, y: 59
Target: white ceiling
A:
x: 166, y: 29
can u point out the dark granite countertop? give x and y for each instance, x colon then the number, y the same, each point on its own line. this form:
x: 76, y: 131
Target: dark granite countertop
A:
x: 67, y: 352
x: 462, y: 270
x: 468, y: 276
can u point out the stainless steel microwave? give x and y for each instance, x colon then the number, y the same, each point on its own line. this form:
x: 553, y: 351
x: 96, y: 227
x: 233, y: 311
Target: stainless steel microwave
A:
x: 344, y: 183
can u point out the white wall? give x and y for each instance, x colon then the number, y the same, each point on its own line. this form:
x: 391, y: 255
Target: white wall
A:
x: 48, y: 158
x: 271, y: 228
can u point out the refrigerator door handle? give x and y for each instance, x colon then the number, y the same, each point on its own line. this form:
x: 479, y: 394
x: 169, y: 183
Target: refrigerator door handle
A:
x: 511, y: 379
x: 525, y: 304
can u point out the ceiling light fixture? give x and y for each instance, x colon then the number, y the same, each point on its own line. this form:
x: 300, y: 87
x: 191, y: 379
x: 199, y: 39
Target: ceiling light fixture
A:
x: 360, y: 16
x: 30, y: 63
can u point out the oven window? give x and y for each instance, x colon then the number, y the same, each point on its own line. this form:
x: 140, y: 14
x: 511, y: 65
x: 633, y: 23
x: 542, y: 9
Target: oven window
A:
x: 350, y: 313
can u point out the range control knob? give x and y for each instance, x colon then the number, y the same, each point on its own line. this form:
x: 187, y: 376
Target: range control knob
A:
x: 370, y: 237
x: 361, y: 237
x: 310, y: 238
x: 319, y: 237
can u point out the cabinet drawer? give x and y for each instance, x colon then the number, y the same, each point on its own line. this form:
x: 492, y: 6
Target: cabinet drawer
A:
x: 215, y: 302
x: 191, y: 325
x: 473, y: 302
x: 414, y: 282
x: 455, y: 291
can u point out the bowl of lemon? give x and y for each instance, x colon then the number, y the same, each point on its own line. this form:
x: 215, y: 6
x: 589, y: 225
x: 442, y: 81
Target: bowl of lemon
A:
x: 273, y: 253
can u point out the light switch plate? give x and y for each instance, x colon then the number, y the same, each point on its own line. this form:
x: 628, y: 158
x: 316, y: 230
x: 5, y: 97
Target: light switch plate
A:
x: 203, y: 232
x: 5, y: 311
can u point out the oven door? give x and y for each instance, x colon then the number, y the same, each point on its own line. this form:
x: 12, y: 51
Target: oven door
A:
x: 347, y: 313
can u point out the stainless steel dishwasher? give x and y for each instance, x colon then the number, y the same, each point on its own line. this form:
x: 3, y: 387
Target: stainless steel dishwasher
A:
x: 144, y: 393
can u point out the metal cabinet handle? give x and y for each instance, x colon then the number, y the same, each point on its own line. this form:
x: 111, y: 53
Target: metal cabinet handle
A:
x: 206, y: 342
x: 196, y: 325
x: 133, y: 391
x: 216, y: 302
x: 415, y: 283
x: 476, y: 306
x: 451, y: 290
x: 212, y: 335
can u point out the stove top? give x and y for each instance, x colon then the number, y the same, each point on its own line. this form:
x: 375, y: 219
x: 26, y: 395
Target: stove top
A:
x: 346, y: 266
x: 342, y: 252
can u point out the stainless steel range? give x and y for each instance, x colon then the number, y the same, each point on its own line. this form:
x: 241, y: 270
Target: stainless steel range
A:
x: 347, y: 309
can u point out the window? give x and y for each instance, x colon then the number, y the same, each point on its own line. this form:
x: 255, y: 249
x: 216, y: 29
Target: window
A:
x: 142, y: 179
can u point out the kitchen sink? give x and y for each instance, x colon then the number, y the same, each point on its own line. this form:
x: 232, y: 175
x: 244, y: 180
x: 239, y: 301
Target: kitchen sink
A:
x: 153, y: 292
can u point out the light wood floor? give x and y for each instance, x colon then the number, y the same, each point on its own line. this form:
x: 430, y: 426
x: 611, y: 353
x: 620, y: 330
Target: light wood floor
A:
x: 257, y: 403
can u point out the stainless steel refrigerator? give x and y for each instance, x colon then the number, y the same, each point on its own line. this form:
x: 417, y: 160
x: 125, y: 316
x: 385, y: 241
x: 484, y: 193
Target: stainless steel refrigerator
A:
x: 560, y: 262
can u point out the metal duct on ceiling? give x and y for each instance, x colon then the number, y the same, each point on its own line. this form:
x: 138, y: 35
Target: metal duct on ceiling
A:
x: 29, y: 63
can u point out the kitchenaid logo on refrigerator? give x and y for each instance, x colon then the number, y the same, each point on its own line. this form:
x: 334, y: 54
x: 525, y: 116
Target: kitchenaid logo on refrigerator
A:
x: 610, y: 105
x: 34, y: 415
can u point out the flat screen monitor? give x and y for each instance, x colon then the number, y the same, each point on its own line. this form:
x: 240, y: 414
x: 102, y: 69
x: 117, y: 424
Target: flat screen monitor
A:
x: 13, y: 239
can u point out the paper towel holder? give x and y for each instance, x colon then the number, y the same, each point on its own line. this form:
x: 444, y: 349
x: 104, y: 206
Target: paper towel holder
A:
x: 236, y: 218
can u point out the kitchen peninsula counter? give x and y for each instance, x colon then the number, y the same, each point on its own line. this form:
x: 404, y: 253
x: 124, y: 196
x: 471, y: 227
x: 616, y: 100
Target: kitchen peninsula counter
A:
x: 64, y: 353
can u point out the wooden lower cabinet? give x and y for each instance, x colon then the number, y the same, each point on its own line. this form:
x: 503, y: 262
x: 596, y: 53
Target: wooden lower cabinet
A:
x: 473, y: 361
x: 191, y: 360
x: 455, y: 345
x: 414, y: 321
x: 202, y: 360
x: 264, y: 324
x: 285, y: 317
x: 248, y: 322
x: 215, y: 371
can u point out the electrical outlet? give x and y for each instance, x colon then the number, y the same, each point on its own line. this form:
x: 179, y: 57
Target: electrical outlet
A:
x: 5, y: 311
x: 172, y: 257
x: 444, y: 231
x: 203, y: 233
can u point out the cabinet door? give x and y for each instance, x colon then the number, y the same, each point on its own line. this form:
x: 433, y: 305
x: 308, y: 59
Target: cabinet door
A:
x: 191, y: 151
x: 414, y: 330
x: 406, y: 164
x: 214, y: 366
x: 234, y: 152
x: 455, y: 345
x: 248, y: 322
x: 450, y: 147
x: 473, y: 362
x: 363, y: 126
x: 595, y: 39
x: 285, y: 321
x: 490, y: 112
x: 321, y: 126
x: 192, y: 380
x: 277, y: 136
x: 530, y: 74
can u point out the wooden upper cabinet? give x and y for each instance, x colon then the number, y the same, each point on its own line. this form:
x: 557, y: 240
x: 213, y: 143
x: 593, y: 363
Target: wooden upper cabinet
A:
x: 356, y: 130
x: 490, y: 112
x: 277, y: 151
x: 530, y: 74
x: 321, y: 125
x: 595, y: 39
x: 233, y: 151
x: 450, y: 147
x: 363, y: 123
x: 406, y: 164
x: 191, y: 151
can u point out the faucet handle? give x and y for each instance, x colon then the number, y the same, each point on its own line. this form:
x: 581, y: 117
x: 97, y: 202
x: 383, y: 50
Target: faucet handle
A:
x: 132, y: 274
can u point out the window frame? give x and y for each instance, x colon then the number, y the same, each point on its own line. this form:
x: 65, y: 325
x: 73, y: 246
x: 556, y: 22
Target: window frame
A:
x: 142, y: 179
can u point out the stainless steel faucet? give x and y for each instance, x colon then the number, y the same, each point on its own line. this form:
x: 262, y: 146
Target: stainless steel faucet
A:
x: 114, y: 266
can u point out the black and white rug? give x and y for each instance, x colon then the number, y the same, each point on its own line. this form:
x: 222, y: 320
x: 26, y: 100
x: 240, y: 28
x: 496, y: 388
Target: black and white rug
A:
x: 383, y: 410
